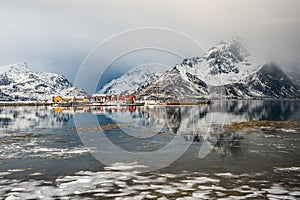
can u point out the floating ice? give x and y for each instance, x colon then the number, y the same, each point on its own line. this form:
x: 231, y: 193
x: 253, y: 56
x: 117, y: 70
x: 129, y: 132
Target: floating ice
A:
x: 4, y: 173
x: 126, y: 184
x: 276, y: 189
x: 288, y: 169
x: 227, y: 175
x: 167, y: 190
x: 125, y: 166
x: 288, y: 130
x: 200, y: 180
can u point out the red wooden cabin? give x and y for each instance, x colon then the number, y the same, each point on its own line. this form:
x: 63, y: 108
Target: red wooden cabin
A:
x: 122, y: 97
x: 113, y: 97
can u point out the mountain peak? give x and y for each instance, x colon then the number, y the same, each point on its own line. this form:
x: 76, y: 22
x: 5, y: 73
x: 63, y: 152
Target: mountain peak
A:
x: 17, y: 67
x: 224, y: 57
x: 226, y: 62
x: 18, y: 82
x: 234, y: 50
x: 226, y: 70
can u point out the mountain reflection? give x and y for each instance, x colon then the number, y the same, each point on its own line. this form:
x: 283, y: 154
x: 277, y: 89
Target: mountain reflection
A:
x: 274, y: 110
x: 152, y: 124
x: 203, y: 124
x: 224, y: 144
x: 23, y: 118
x: 195, y: 119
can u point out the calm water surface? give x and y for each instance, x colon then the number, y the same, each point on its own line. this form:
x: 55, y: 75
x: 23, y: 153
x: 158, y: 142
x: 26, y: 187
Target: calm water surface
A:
x: 54, y: 153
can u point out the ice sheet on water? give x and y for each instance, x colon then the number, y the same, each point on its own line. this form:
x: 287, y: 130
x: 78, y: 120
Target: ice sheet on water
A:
x: 228, y: 174
x: 288, y: 169
x: 34, y: 149
x: 276, y: 189
x: 288, y: 130
x: 130, y: 184
x: 200, y: 180
x: 167, y: 190
x: 125, y: 166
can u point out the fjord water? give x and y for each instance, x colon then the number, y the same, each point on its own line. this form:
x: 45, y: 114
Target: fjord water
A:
x: 43, y: 152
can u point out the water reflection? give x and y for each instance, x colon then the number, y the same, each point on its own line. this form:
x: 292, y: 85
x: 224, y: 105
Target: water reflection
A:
x: 24, y: 118
x: 224, y: 144
x: 151, y: 125
x: 260, y: 109
x: 175, y: 118
x: 178, y: 119
x: 53, y: 163
x: 185, y: 118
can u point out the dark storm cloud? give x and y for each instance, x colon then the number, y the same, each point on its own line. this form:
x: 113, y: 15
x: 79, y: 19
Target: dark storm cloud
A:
x: 57, y: 35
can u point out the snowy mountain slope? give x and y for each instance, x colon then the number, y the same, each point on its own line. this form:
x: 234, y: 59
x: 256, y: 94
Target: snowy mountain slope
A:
x: 224, y: 72
x: 175, y: 83
x: 133, y: 79
x: 269, y: 81
x: 5, y: 97
x: 227, y: 70
x: 72, y: 91
x: 225, y: 63
x: 18, y: 82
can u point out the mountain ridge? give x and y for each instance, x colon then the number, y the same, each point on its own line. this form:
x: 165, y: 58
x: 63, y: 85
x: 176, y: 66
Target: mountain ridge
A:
x: 18, y: 82
x: 227, y: 70
x: 133, y: 79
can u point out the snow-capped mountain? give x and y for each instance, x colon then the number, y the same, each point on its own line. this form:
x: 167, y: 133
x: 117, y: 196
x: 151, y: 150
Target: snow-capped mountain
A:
x: 133, y: 79
x: 18, y: 82
x: 225, y: 71
x: 175, y: 83
x: 224, y: 63
x: 269, y: 81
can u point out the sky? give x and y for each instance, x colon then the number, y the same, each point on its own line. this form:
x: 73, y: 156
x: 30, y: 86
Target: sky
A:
x: 57, y: 36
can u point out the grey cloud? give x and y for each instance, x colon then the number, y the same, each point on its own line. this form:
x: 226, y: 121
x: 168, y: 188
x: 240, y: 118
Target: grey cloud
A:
x: 57, y: 35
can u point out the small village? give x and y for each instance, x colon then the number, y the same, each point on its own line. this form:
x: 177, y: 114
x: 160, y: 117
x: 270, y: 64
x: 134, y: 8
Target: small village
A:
x: 122, y: 100
x: 95, y: 99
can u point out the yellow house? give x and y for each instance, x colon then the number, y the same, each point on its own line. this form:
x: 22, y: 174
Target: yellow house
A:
x: 57, y: 99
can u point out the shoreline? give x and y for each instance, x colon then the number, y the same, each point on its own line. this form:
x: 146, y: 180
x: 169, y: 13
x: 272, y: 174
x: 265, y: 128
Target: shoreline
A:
x: 74, y: 104
x: 3, y: 104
